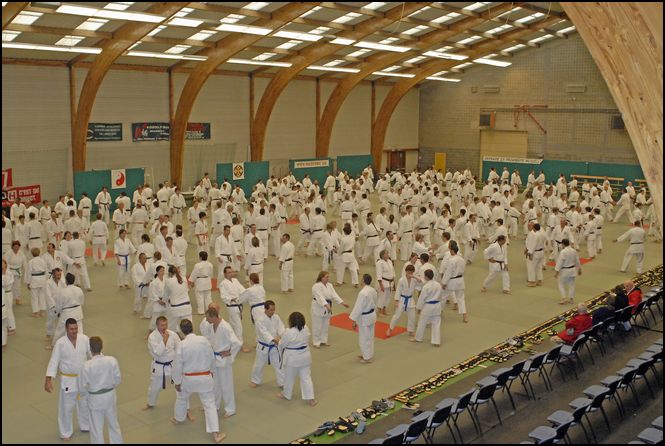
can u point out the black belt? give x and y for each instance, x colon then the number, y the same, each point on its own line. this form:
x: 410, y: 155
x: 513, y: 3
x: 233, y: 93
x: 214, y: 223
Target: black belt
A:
x: 256, y: 264
x: 568, y: 267
x: 180, y: 305
x: 637, y: 243
x: 35, y: 238
x: 73, y: 306
x: 262, y: 229
x: 457, y: 277
x: 317, y: 230
x: 375, y: 235
x: 364, y: 313
x: 406, y: 232
x: 344, y: 252
x: 288, y: 260
x: 538, y: 250
x: 387, y: 280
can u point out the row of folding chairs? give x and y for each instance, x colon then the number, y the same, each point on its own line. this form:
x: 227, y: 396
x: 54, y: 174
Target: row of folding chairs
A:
x: 652, y: 434
x: 561, y: 356
x: 610, y: 388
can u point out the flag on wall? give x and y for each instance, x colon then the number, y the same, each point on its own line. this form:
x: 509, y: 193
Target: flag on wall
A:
x: 118, y: 179
x: 238, y: 171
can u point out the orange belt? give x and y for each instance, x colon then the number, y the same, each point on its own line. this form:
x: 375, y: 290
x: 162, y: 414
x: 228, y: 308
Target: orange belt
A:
x: 198, y: 373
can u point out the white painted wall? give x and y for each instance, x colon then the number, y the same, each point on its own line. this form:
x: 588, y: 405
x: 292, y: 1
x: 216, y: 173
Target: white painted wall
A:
x: 351, y: 133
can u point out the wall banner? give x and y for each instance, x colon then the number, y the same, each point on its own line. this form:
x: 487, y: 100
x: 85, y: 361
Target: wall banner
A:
x: 151, y: 131
x: 198, y: 130
x: 25, y: 193
x: 238, y: 171
x: 501, y: 159
x: 118, y: 179
x: 313, y: 163
x: 100, y: 131
x: 7, y: 180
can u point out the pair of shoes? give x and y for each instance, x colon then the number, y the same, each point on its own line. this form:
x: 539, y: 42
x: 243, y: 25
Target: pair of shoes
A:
x: 411, y: 406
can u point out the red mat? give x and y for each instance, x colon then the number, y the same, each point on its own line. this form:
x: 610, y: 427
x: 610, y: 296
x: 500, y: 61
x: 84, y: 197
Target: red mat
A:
x: 292, y: 222
x: 583, y: 261
x: 109, y: 253
x: 342, y: 321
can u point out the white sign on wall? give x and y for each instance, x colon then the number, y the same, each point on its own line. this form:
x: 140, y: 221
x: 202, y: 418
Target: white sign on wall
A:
x: 314, y: 163
x: 238, y: 171
x: 118, y: 179
x: 502, y: 159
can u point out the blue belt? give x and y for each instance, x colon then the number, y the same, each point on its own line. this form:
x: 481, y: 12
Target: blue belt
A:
x: 126, y: 256
x: 406, y: 300
x: 368, y: 312
x: 270, y: 347
x: 433, y: 302
x: 164, y: 364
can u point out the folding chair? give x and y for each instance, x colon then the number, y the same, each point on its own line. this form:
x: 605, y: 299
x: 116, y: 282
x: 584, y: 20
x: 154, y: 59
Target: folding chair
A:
x: 562, y: 416
x: 543, y: 434
x: 568, y: 352
x: 460, y: 405
x: 595, y: 404
x: 534, y: 364
x: 515, y: 372
x: 651, y: 436
x: 411, y: 431
x: 483, y: 396
x: 439, y: 416
x: 642, y: 367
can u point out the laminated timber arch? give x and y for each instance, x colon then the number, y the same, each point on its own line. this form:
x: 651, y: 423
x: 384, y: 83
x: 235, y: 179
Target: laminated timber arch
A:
x: 402, y: 87
x: 626, y: 42
x: 308, y: 56
x: 122, y: 39
x: 10, y: 11
x: 224, y: 49
x: 380, y: 61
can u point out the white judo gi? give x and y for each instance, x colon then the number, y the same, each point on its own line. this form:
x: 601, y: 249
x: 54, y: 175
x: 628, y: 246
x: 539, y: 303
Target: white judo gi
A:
x: 364, y: 315
x: 267, y: 329
x: 225, y: 345
x: 429, y: 304
x: 161, y: 367
x: 296, y: 360
x: 322, y: 295
x: 97, y: 381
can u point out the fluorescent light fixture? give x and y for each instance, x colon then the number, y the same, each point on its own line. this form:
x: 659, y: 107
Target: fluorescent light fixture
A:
x: 69, y: 40
x: 346, y: 17
x: 89, y: 11
x: 134, y: 45
x: 257, y: 62
x: 540, y: 39
x: 26, y: 17
x: 202, y: 35
x: 320, y: 30
x: 499, y: 29
x: 515, y: 9
x: 359, y: 53
x: 311, y: 11
x: 380, y: 46
x: 389, y: 40
x: 374, y: 5
x: 164, y: 55
x: 476, y: 5
x: 415, y: 30
x: 39, y: 47
x: 393, y: 68
x: 461, y: 66
x: 245, y: 29
x: 177, y: 49
x: 445, y: 55
x: 513, y: 48
x: 119, y: 6
x: 156, y: 30
x: 264, y: 56
x: 4, y: 3
x: 183, y: 12
x: 232, y: 18
x: 179, y: 21
x: 92, y: 24
x: 298, y: 35
x: 415, y: 59
x: 440, y: 73
x: 385, y: 73
x: 342, y: 41
x: 469, y: 40
x: 8, y: 36
x: 443, y: 79
x: 423, y: 9
x: 496, y: 63
x: 255, y: 6
x: 530, y: 17
x: 333, y: 63
x: 328, y: 68
x: 566, y: 30
x: 445, y: 18
x: 290, y: 44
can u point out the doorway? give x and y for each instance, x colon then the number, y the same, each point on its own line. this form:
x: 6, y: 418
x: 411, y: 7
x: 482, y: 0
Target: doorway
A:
x: 397, y: 160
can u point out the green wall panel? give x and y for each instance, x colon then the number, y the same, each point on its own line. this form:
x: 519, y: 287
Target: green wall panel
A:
x: 92, y: 182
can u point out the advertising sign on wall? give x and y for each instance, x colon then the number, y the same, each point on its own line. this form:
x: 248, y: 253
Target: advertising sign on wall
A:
x: 100, y: 131
x: 150, y: 131
x: 25, y: 193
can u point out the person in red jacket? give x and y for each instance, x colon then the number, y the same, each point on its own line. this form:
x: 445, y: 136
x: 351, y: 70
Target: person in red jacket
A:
x: 634, y: 294
x: 576, y: 325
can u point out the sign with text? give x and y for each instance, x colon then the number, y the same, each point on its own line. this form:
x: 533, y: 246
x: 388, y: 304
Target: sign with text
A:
x: 150, y: 131
x: 7, y: 178
x: 118, y: 179
x: 101, y: 131
x: 313, y: 163
x: 501, y: 159
x: 25, y: 193
x: 198, y: 130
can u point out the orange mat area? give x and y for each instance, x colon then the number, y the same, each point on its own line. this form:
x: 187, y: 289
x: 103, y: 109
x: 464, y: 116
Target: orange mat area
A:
x: 342, y: 321
x: 583, y: 261
x: 109, y: 253
x: 293, y: 222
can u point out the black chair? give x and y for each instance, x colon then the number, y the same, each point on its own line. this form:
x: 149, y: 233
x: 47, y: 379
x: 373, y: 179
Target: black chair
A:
x: 639, y: 310
x: 608, y: 328
x: 397, y: 438
x: 651, y: 435
x: 460, y: 405
x: 627, y: 375
x: 569, y: 355
x: 595, y: 404
x: 658, y: 423
x: 642, y: 367
x: 612, y: 383
x: 412, y: 431
x: 515, y: 372
x: 624, y: 321
x: 595, y: 335
x: 562, y: 416
x: 483, y: 396
x: 551, y: 358
x: 609, y: 392
x: 548, y: 435
x: 534, y: 364
x: 652, y: 299
x: 439, y: 416
x: 502, y: 382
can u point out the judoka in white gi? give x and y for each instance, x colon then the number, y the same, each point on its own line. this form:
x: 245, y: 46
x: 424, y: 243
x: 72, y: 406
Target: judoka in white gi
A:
x: 405, y: 301
x: 269, y: 331
x: 323, y: 295
x: 123, y: 248
x: 98, y: 380
x: 497, y: 255
x: 385, y: 277
x: 296, y: 359
x: 286, y: 253
x: 162, y: 345
x: 567, y: 268
x: 194, y: 363
x: 534, y: 249
x: 452, y: 281
x: 636, y: 236
x: 176, y: 295
x: 363, y: 316
x: 35, y: 278
x: 200, y: 279
x: 99, y: 234
x: 429, y: 309
x: 68, y: 304
x: 229, y: 291
x: 67, y: 359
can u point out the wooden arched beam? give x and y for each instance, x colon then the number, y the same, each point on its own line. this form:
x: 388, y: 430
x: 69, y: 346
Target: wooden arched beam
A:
x: 225, y: 49
x: 122, y: 39
x: 398, y: 91
x: 626, y: 41
x: 308, y: 56
x: 382, y: 60
x: 10, y: 11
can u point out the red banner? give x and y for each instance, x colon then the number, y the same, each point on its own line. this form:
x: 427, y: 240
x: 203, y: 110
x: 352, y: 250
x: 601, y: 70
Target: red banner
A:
x: 7, y: 178
x: 32, y: 193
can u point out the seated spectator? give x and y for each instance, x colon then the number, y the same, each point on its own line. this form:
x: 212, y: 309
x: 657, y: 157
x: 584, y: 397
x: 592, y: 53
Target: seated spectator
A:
x: 634, y: 294
x: 621, y: 299
x: 605, y: 312
x: 575, y: 326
